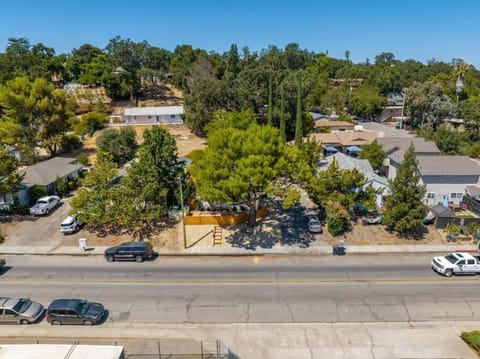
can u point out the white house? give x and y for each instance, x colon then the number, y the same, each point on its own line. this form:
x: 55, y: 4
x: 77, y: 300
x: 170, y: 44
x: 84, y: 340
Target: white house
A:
x: 446, y: 178
x: 150, y: 115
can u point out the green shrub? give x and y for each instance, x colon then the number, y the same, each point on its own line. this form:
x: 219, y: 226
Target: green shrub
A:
x: 90, y: 122
x: 70, y: 143
x: 2, y: 239
x: 196, y: 155
x: 337, y: 226
x: 61, y: 186
x: 83, y: 159
x: 474, y: 150
x: 35, y: 192
x: 472, y: 339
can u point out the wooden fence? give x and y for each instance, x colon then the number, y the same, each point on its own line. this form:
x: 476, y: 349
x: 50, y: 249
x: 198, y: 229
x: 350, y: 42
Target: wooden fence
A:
x: 226, y: 219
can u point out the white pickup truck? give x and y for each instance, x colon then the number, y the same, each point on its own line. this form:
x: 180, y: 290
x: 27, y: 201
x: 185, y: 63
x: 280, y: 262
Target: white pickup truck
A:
x: 71, y: 224
x: 45, y: 205
x: 456, y: 263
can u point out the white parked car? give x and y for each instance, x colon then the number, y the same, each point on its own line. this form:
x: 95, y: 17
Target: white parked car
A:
x: 71, y: 224
x: 45, y: 205
x: 314, y: 225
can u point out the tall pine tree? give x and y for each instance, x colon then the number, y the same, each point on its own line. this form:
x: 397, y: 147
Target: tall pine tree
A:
x: 283, y: 133
x: 299, y: 122
x: 270, y: 100
x: 405, y: 210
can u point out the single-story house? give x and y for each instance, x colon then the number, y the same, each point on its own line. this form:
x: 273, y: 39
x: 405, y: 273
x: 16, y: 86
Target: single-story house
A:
x: 395, y: 148
x: 45, y: 174
x: 447, y: 177
x: 150, y: 115
x: 390, y: 114
x: 333, y: 126
x: 342, y: 140
x: 346, y: 162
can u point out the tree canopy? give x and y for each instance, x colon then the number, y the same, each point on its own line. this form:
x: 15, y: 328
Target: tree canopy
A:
x: 245, y: 161
x: 405, y: 208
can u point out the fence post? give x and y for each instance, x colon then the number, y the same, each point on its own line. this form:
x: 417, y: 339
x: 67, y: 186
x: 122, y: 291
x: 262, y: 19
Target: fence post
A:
x: 159, y: 351
x: 201, y: 348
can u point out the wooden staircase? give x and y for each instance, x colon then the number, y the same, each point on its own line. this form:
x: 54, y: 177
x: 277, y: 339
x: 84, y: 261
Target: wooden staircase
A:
x: 217, y: 236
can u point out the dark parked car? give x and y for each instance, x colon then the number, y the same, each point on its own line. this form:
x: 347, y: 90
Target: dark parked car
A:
x: 19, y: 310
x: 137, y: 251
x: 74, y: 311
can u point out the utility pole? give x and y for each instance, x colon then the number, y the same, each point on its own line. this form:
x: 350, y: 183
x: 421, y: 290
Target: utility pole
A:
x: 183, y: 213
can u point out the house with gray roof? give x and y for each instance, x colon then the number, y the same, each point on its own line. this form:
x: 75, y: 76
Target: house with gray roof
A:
x: 346, y: 162
x: 395, y: 148
x: 45, y: 174
x: 447, y: 177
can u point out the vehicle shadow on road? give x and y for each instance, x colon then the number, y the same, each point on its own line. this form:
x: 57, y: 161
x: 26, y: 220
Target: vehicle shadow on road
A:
x: 281, y: 227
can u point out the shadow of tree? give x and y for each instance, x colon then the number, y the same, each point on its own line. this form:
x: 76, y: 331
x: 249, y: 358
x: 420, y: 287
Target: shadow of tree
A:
x: 281, y: 227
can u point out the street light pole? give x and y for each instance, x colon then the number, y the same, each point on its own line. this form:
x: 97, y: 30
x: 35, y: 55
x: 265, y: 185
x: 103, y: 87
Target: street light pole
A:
x: 183, y: 214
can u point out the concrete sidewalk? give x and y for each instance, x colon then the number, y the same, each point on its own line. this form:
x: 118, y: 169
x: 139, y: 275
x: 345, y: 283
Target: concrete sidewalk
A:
x: 226, y: 251
x: 278, y: 340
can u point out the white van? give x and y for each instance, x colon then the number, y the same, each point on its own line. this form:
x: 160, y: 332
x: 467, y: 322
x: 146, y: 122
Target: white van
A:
x: 71, y: 224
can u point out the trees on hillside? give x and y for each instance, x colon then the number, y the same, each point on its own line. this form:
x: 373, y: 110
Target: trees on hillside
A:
x: 121, y: 144
x: 34, y: 113
x: 427, y: 104
x: 405, y: 208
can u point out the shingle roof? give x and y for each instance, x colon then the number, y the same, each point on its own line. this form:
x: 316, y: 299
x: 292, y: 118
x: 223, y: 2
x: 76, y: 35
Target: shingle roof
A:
x: 352, y: 138
x: 447, y: 166
x: 330, y: 123
x: 391, y: 144
x: 45, y: 172
x: 349, y: 163
x: 154, y: 111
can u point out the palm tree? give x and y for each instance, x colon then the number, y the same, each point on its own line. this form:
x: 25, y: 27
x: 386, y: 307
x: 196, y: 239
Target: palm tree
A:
x: 460, y: 70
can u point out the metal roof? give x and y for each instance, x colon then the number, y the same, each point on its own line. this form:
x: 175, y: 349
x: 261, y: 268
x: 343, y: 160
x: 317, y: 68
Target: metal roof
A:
x: 154, y: 111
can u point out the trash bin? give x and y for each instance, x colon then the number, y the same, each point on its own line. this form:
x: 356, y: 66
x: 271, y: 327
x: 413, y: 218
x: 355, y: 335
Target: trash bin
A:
x: 82, y: 243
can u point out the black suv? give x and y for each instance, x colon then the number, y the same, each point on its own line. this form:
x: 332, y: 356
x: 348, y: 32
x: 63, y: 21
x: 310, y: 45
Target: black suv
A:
x: 137, y: 251
x: 74, y: 311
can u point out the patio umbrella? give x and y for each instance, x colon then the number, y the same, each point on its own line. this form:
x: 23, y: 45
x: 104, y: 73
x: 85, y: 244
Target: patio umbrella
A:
x: 331, y: 149
x: 354, y: 149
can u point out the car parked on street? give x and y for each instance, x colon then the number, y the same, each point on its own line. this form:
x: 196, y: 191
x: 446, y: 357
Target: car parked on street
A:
x: 128, y: 251
x: 70, y: 224
x: 19, y: 310
x: 45, y: 205
x: 74, y: 311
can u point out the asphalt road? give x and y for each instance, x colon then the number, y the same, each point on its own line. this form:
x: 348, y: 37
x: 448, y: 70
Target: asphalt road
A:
x: 251, y: 289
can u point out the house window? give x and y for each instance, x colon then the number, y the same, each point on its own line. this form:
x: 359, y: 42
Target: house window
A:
x: 172, y: 116
x: 158, y: 118
x: 430, y: 195
x: 456, y: 195
x: 149, y: 117
x: 134, y: 117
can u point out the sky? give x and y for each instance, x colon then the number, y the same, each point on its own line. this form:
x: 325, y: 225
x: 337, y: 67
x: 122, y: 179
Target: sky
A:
x: 410, y: 29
